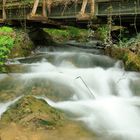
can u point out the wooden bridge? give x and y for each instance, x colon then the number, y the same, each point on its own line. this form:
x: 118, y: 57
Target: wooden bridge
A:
x: 69, y: 10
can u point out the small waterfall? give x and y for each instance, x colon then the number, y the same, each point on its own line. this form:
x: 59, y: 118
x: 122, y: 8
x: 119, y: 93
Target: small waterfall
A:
x: 98, y: 91
x: 5, y: 106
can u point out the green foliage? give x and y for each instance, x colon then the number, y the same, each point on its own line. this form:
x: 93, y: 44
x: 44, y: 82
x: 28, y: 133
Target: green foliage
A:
x: 129, y: 42
x: 6, y: 30
x: 57, y: 32
x: 73, y: 32
x: 68, y: 33
x: 6, y: 43
x: 103, y: 32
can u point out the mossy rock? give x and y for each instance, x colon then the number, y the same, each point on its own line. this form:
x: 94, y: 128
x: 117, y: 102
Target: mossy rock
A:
x: 131, y: 60
x: 34, y: 113
x: 68, y: 33
x: 23, y: 45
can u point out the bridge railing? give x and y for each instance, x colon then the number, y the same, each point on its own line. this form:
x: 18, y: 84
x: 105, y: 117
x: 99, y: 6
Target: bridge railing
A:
x: 15, y: 9
x: 69, y: 11
x: 118, y: 7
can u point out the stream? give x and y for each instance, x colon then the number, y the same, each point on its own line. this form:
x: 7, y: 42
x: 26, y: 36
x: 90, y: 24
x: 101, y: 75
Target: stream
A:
x: 90, y: 88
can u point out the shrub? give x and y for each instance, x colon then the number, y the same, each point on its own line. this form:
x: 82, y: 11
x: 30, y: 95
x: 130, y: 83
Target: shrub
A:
x: 6, y: 30
x: 102, y: 32
x: 6, y: 43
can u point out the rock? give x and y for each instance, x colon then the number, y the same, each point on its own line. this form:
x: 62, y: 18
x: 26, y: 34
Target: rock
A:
x: 40, y: 37
x: 33, y: 113
x: 91, y: 44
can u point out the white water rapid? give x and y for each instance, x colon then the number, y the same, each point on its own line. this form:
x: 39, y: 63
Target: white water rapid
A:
x: 100, y: 93
x: 6, y: 105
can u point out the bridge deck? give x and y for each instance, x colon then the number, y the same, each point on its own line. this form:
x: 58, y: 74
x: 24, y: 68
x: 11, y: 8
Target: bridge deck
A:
x: 20, y: 10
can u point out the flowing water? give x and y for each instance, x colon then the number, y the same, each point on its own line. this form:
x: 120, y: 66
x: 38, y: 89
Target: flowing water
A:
x: 90, y: 88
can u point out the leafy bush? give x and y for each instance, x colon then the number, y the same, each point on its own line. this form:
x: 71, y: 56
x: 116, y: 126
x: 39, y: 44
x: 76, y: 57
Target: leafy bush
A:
x: 6, y: 30
x: 129, y: 42
x: 102, y: 32
x: 6, y: 43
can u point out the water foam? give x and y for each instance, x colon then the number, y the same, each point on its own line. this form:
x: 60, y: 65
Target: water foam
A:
x: 6, y: 105
x: 102, y: 96
x: 112, y: 110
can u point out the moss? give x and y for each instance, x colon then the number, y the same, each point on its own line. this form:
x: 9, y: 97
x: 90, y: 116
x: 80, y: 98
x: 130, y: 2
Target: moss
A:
x: 23, y: 45
x: 32, y: 112
x: 69, y: 33
x: 130, y: 59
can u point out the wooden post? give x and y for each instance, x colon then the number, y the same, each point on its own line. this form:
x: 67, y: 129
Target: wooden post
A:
x: 84, y: 4
x: 44, y: 8
x: 49, y: 3
x: 36, y: 2
x: 92, y: 7
x: 3, y: 10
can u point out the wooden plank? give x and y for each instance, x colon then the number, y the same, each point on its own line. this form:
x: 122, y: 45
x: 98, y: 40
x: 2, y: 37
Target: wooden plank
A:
x: 99, y: 1
x: 37, y: 18
x: 1, y: 21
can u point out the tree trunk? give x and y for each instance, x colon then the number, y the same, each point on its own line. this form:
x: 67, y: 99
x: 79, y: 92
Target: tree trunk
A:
x: 36, y: 2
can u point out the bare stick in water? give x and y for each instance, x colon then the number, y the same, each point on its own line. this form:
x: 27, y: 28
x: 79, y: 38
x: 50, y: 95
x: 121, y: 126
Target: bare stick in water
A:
x: 91, y: 93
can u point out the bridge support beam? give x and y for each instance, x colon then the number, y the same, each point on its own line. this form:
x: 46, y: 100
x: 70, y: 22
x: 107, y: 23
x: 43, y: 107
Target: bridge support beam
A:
x: 92, y: 7
x: 34, y: 15
x: 3, y: 10
x: 82, y: 14
x: 83, y: 8
x: 49, y: 3
x: 36, y: 2
x: 44, y: 8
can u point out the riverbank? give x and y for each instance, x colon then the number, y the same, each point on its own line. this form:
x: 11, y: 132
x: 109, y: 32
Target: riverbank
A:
x: 13, y: 43
x: 18, y: 42
x: 128, y: 51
